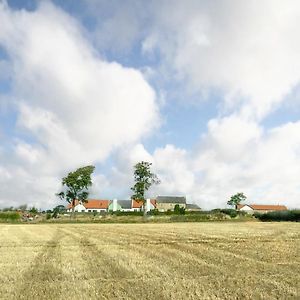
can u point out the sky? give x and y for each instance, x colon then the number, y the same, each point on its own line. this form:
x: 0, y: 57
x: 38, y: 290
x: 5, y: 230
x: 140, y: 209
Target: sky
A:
x: 207, y: 91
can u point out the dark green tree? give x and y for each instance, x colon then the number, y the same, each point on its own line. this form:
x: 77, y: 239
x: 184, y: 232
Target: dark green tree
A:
x: 236, y: 199
x: 33, y: 210
x: 178, y: 210
x: 144, y: 179
x: 76, y: 185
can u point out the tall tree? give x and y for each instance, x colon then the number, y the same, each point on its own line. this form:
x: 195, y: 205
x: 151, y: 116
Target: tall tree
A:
x: 76, y: 185
x: 144, y: 179
x: 236, y: 199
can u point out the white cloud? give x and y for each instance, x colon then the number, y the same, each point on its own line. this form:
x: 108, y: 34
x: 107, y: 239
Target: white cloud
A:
x: 264, y: 164
x: 248, y: 50
x: 78, y: 108
x: 75, y: 107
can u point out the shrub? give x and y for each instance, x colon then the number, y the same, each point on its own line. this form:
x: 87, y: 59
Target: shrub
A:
x: 9, y: 216
x: 127, y: 213
x: 286, y: 215
x: 154, y: 212
x: 190, y: 218
x: 179, y: 210
x: 230, y: 212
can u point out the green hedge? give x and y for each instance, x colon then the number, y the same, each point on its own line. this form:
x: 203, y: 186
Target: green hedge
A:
x: 127, y: 213
x: 286, y: 215
x: 9, y: 217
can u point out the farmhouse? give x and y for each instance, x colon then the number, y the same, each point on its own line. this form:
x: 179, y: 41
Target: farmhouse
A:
x: 252, y: 208
x: 131, y: 205
x: 120, y: 205
x: 138, y: 205
x: 165, y: 203
x: 125, y: 205
x: 93, y: 205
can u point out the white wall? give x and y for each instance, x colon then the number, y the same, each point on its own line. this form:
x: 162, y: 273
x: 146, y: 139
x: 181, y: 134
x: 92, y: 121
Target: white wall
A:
x: 246, y: 208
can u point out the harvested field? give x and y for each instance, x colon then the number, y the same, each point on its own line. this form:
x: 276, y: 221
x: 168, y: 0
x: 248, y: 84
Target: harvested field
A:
x: 150, y: 261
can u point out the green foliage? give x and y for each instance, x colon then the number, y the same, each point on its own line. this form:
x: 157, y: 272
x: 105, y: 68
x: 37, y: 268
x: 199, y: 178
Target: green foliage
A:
x: 285, y: 215
x: 144, y: 179
x: 60, y: 208
x: 236, y: 199
x: 11, y: 208
x: 230, y: 212
x: 33, y: 210
x: 48, y: 216
x: 179, y: 210
x: 154, y: 212
x: 127, y: 213
x: 190, y: 218
x: 22, y: 207
x: 9, y: 217
x: 76, y: 185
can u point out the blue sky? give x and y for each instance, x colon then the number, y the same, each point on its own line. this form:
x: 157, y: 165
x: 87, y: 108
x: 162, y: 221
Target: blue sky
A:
x: 207, y: 92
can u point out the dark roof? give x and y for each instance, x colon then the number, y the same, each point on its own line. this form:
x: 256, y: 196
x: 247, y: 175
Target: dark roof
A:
x: 125, y: 204
x: 192, y: 206
x: 170, y: 199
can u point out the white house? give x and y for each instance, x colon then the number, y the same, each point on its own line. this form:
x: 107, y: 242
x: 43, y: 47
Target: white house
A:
x: 93, y: 205
x: 252, y: 208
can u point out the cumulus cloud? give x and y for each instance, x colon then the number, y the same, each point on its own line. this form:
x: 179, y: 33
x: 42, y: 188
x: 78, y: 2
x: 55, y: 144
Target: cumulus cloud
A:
x: 247, y: 50
x: 73, y: 106
x: 69, y: 99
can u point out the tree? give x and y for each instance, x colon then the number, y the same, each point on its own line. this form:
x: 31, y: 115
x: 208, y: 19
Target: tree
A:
x: 144, y: 179
x: 22, y: 207
x: 76, y: 186
x: 33, y: 210
x: 179, y: 210
x: 236, y: 199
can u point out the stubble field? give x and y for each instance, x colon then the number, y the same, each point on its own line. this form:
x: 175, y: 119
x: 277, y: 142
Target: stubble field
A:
x: 150, y: 261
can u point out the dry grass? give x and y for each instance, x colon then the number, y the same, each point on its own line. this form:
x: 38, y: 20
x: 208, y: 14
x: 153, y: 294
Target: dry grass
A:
x: 150, y: 261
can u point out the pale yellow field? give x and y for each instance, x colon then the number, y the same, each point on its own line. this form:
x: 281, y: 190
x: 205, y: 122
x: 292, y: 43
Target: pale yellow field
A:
x: 150, y: 261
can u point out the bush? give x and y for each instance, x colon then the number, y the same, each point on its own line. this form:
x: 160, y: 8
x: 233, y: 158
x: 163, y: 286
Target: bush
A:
x: 9, y: 216
x: 127, y: 213
x: 154, y: 212
x: 190, y: 218
x: 179, y: 210
x: 230, y: 212
x: 285, y: 215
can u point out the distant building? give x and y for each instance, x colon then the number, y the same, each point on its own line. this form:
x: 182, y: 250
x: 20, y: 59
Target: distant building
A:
x: 138, y: 205
x: 252, y: 208
x: 93, y: 205
x: 192, y: 207
x: 165, y: 203
x: 131, y: 205
x: 125, y: 205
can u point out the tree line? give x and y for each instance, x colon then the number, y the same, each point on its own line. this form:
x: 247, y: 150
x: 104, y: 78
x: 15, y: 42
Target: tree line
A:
x: 77, y: 183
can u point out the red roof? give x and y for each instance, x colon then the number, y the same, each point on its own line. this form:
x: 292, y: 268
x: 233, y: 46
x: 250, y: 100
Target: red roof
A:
x: 93, y: 204
x: 139, y: 204
x: 263, y: 207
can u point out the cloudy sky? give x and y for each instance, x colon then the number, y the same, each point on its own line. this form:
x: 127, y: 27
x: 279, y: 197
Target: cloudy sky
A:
x: 208, y: 91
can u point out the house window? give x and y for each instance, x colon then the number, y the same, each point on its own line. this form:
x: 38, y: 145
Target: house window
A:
x: 82, y: 210
x: 95, y: 210
x: 89, y: 210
